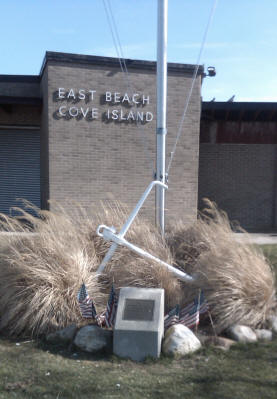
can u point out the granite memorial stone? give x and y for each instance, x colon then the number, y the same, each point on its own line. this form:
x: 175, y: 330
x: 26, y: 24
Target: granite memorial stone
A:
x: 139, y: 325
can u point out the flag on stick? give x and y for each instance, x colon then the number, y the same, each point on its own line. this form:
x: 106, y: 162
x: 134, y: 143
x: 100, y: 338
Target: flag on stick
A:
x: 190, y: 314
x: 101, y: 319
x: 172, y: 317
x: 86, y: 304
x: 111, y: 309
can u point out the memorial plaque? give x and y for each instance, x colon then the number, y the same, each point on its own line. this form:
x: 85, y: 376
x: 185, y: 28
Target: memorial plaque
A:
x: 138, y: 309
x: 139, y: 324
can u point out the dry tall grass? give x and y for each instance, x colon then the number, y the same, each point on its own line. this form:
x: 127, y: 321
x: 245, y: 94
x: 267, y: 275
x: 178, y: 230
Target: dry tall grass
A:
x: 237, y: 280
x: 40, y: 273
x: 126, y: 268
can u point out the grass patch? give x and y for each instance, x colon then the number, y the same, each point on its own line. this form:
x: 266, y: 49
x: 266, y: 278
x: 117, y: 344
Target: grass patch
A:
x: 33, y: 370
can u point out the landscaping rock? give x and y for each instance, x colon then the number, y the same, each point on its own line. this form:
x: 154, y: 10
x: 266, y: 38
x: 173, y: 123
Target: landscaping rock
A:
x: 273, y: 322
x: 179, y: 340
x: 93, y: 339
x: 219, y: 342
x: 63, y: 336
x: 264, y: 335
x: 202, y: 337
x: 242, y: 333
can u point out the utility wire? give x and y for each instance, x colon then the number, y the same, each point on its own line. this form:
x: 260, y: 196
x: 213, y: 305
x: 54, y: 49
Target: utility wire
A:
x: 192, y: 85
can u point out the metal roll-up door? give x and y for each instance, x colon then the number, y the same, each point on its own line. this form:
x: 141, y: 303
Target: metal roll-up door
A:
x: 19, y: 168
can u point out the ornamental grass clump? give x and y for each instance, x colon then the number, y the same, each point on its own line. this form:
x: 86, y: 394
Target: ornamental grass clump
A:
x: 127, y: 268
x: 45, y: 260
x: 41, y: 270
x: 237, y: 280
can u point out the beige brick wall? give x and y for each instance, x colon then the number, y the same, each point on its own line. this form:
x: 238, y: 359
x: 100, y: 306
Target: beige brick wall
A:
x: 93, y: 161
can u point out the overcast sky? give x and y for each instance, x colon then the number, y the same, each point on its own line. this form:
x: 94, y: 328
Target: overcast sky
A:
x: 241, y: 42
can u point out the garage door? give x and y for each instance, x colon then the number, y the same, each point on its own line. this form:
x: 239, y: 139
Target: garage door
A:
x: 19, y: 168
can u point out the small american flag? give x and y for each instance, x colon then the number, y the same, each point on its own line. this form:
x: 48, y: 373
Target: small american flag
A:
x: 190, y: 314
x: 172, y: 317
x: 111, y: 309
x: 86, y: 303
x: 101, y: 319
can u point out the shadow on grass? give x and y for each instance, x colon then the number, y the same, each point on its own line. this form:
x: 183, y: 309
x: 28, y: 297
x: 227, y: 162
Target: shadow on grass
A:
x: 70, y: 351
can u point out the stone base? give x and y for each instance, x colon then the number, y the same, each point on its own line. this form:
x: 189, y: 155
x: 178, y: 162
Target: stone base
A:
x: 139, y: 325
x: 137, y: 345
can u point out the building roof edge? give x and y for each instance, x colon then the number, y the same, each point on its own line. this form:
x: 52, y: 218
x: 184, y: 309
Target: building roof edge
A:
x: 58, y: 57
x: 20, y: 78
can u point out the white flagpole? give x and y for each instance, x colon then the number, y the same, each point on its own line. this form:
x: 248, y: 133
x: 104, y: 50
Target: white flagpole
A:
x: 161, y: 111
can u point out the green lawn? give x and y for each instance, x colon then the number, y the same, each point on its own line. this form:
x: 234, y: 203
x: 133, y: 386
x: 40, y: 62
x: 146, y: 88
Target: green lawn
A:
x: 36, y: 370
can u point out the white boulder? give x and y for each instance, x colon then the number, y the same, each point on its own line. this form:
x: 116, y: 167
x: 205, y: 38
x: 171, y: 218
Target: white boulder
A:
x: 263, y: 334
x: 179, y: 340
x: 242, y: 333
x: 93, y: 339
x: 273, y: 323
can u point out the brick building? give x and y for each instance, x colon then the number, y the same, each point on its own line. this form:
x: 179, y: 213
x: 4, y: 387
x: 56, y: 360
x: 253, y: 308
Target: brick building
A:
x: 83, y: 131
x: 238, y: 161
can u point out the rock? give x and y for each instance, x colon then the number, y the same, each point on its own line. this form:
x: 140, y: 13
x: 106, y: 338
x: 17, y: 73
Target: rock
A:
x: 273, y: 323
x: 63, y: 336
x: 219, y: 342
x: 242, y: 333
x: 202, y: 337
x: 179, y: 340
x: 264, y: 335
x: 93, y: 339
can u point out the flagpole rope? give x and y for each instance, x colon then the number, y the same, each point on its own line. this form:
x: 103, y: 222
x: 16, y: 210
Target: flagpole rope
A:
x: 119, y: 44
x: 124, y: 70
x: 113, y: 35
x: 179, y: 132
